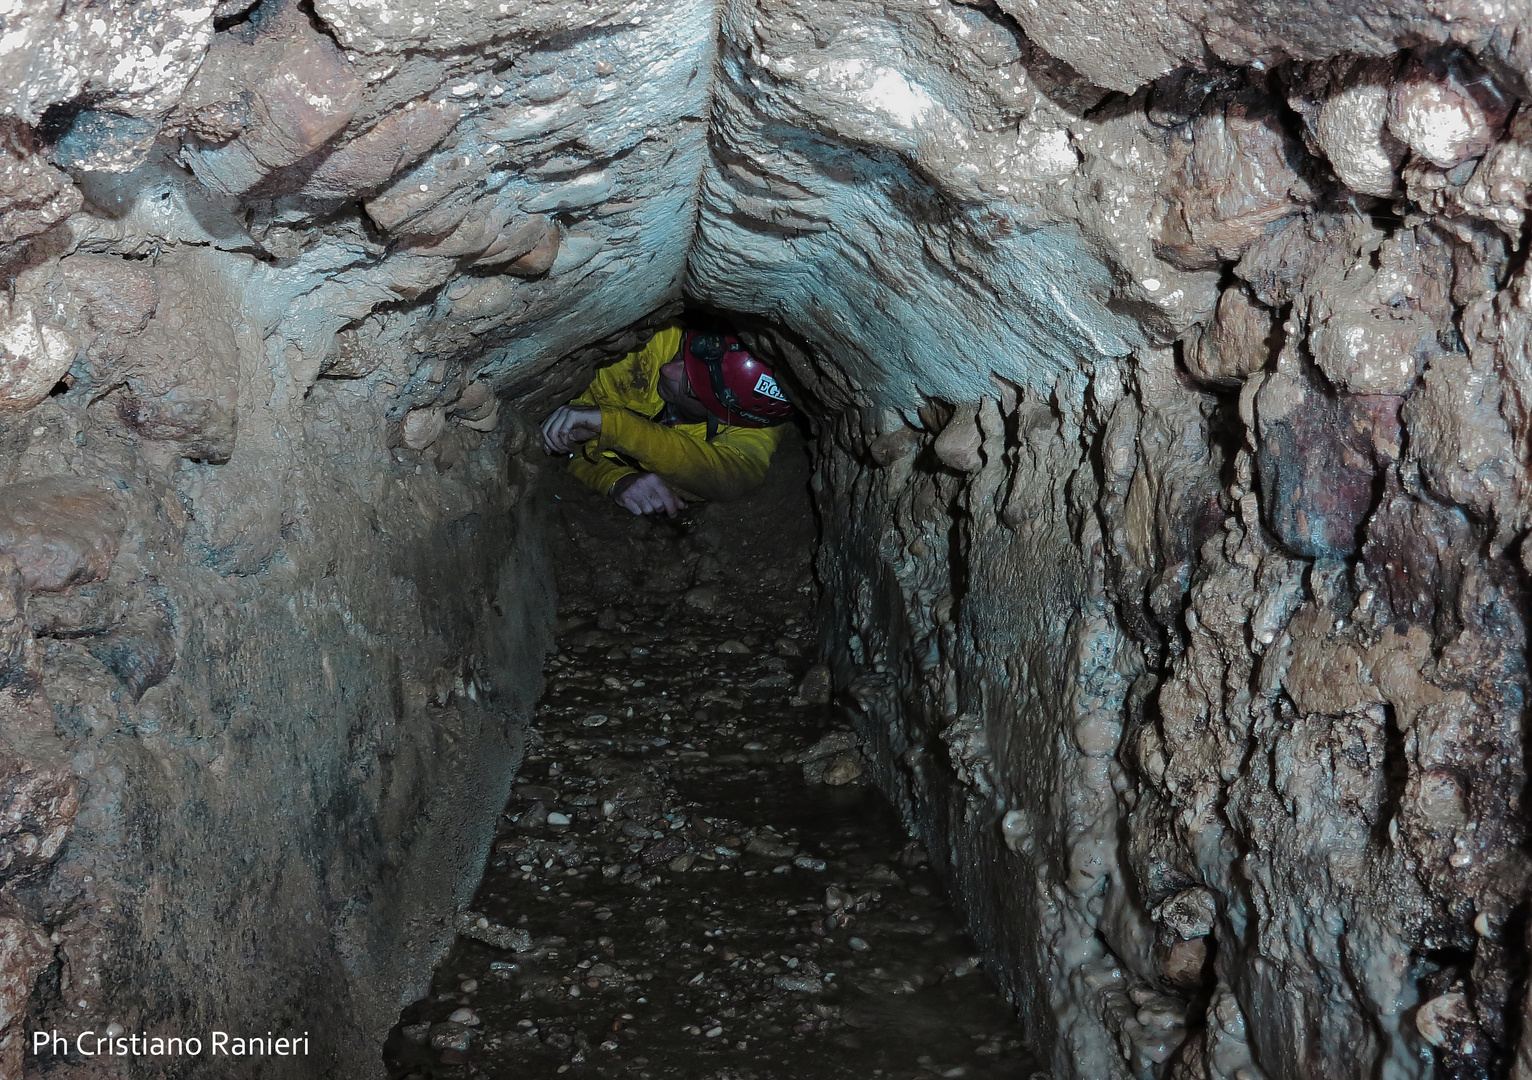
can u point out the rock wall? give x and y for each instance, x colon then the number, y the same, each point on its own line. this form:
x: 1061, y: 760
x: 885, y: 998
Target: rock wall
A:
x: 274, y: 590
x: 1172, y: 483
x: 265, y: 676
x: 1169, y: 372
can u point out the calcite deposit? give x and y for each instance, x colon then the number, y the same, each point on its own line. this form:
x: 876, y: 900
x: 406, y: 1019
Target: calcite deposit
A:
x: 1168, y: 369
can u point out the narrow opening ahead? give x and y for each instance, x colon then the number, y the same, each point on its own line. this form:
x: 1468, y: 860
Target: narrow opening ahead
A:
x: 695, y: 874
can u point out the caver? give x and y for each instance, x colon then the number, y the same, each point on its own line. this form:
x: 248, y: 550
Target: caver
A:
x: 691, y: 415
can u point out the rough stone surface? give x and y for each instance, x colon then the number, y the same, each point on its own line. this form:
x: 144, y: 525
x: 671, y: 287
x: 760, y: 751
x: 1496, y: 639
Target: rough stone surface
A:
x: 1169, y: 367
x: 59, y: 532
x: 1119, y: 636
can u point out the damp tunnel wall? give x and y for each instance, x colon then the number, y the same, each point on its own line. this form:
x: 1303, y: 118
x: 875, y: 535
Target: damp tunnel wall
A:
x: 1168, y: 372
x: 1184, y: 623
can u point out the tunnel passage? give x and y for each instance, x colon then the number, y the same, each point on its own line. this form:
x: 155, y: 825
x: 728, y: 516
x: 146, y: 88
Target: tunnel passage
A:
x: 1170, y: 372
x: 693, y: 874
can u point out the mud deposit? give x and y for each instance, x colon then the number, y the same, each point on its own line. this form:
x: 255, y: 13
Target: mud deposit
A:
x: 692, y: 877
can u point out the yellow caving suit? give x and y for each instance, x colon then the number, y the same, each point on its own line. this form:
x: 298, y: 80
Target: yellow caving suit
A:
x: 694, y: 466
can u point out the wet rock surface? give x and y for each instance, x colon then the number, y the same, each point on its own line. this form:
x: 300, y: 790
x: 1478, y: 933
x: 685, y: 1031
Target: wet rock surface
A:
x: 691, y: 877
x: 1170, y: 366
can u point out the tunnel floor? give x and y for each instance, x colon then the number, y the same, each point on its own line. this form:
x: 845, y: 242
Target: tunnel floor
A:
x: 690, y: 878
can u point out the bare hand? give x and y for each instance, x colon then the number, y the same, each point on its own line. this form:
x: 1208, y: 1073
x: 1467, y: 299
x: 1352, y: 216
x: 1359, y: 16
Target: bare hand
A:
x: 569, y: 426
x: 646, y: 493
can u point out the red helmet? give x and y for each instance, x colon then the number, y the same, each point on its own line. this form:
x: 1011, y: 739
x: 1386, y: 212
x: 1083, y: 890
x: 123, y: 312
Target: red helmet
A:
x: 731, y: 384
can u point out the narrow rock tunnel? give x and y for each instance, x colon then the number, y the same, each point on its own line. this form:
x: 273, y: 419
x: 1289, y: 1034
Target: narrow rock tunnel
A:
x: 694, y: 874
x: 1162, y: 380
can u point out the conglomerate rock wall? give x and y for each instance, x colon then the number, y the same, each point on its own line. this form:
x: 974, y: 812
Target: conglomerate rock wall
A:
x: 1173, y: 471
x: 1170, y: 377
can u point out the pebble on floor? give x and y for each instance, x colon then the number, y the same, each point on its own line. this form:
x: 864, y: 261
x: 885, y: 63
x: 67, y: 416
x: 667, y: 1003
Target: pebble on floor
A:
x: 693, y: 876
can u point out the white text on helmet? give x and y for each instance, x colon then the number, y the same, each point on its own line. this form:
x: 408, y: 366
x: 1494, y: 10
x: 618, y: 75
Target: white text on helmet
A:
x: 766, y: 386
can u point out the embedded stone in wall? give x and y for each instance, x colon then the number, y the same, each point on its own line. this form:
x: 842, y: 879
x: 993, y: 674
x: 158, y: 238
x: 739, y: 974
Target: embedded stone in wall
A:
x: 34, y: 355
x: 1375, y: 325
x: 60, y: 532
x: 393, y: 144
x: 1346, y: 107
x: 99, y: 141
x: 1317, y: 462
x: 1230, y: 176
x: 1242, y: 339
x: 1443, y: 113
x: 284, y: 95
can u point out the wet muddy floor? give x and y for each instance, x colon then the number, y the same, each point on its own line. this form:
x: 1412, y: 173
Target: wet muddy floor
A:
x: 692, y: 878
